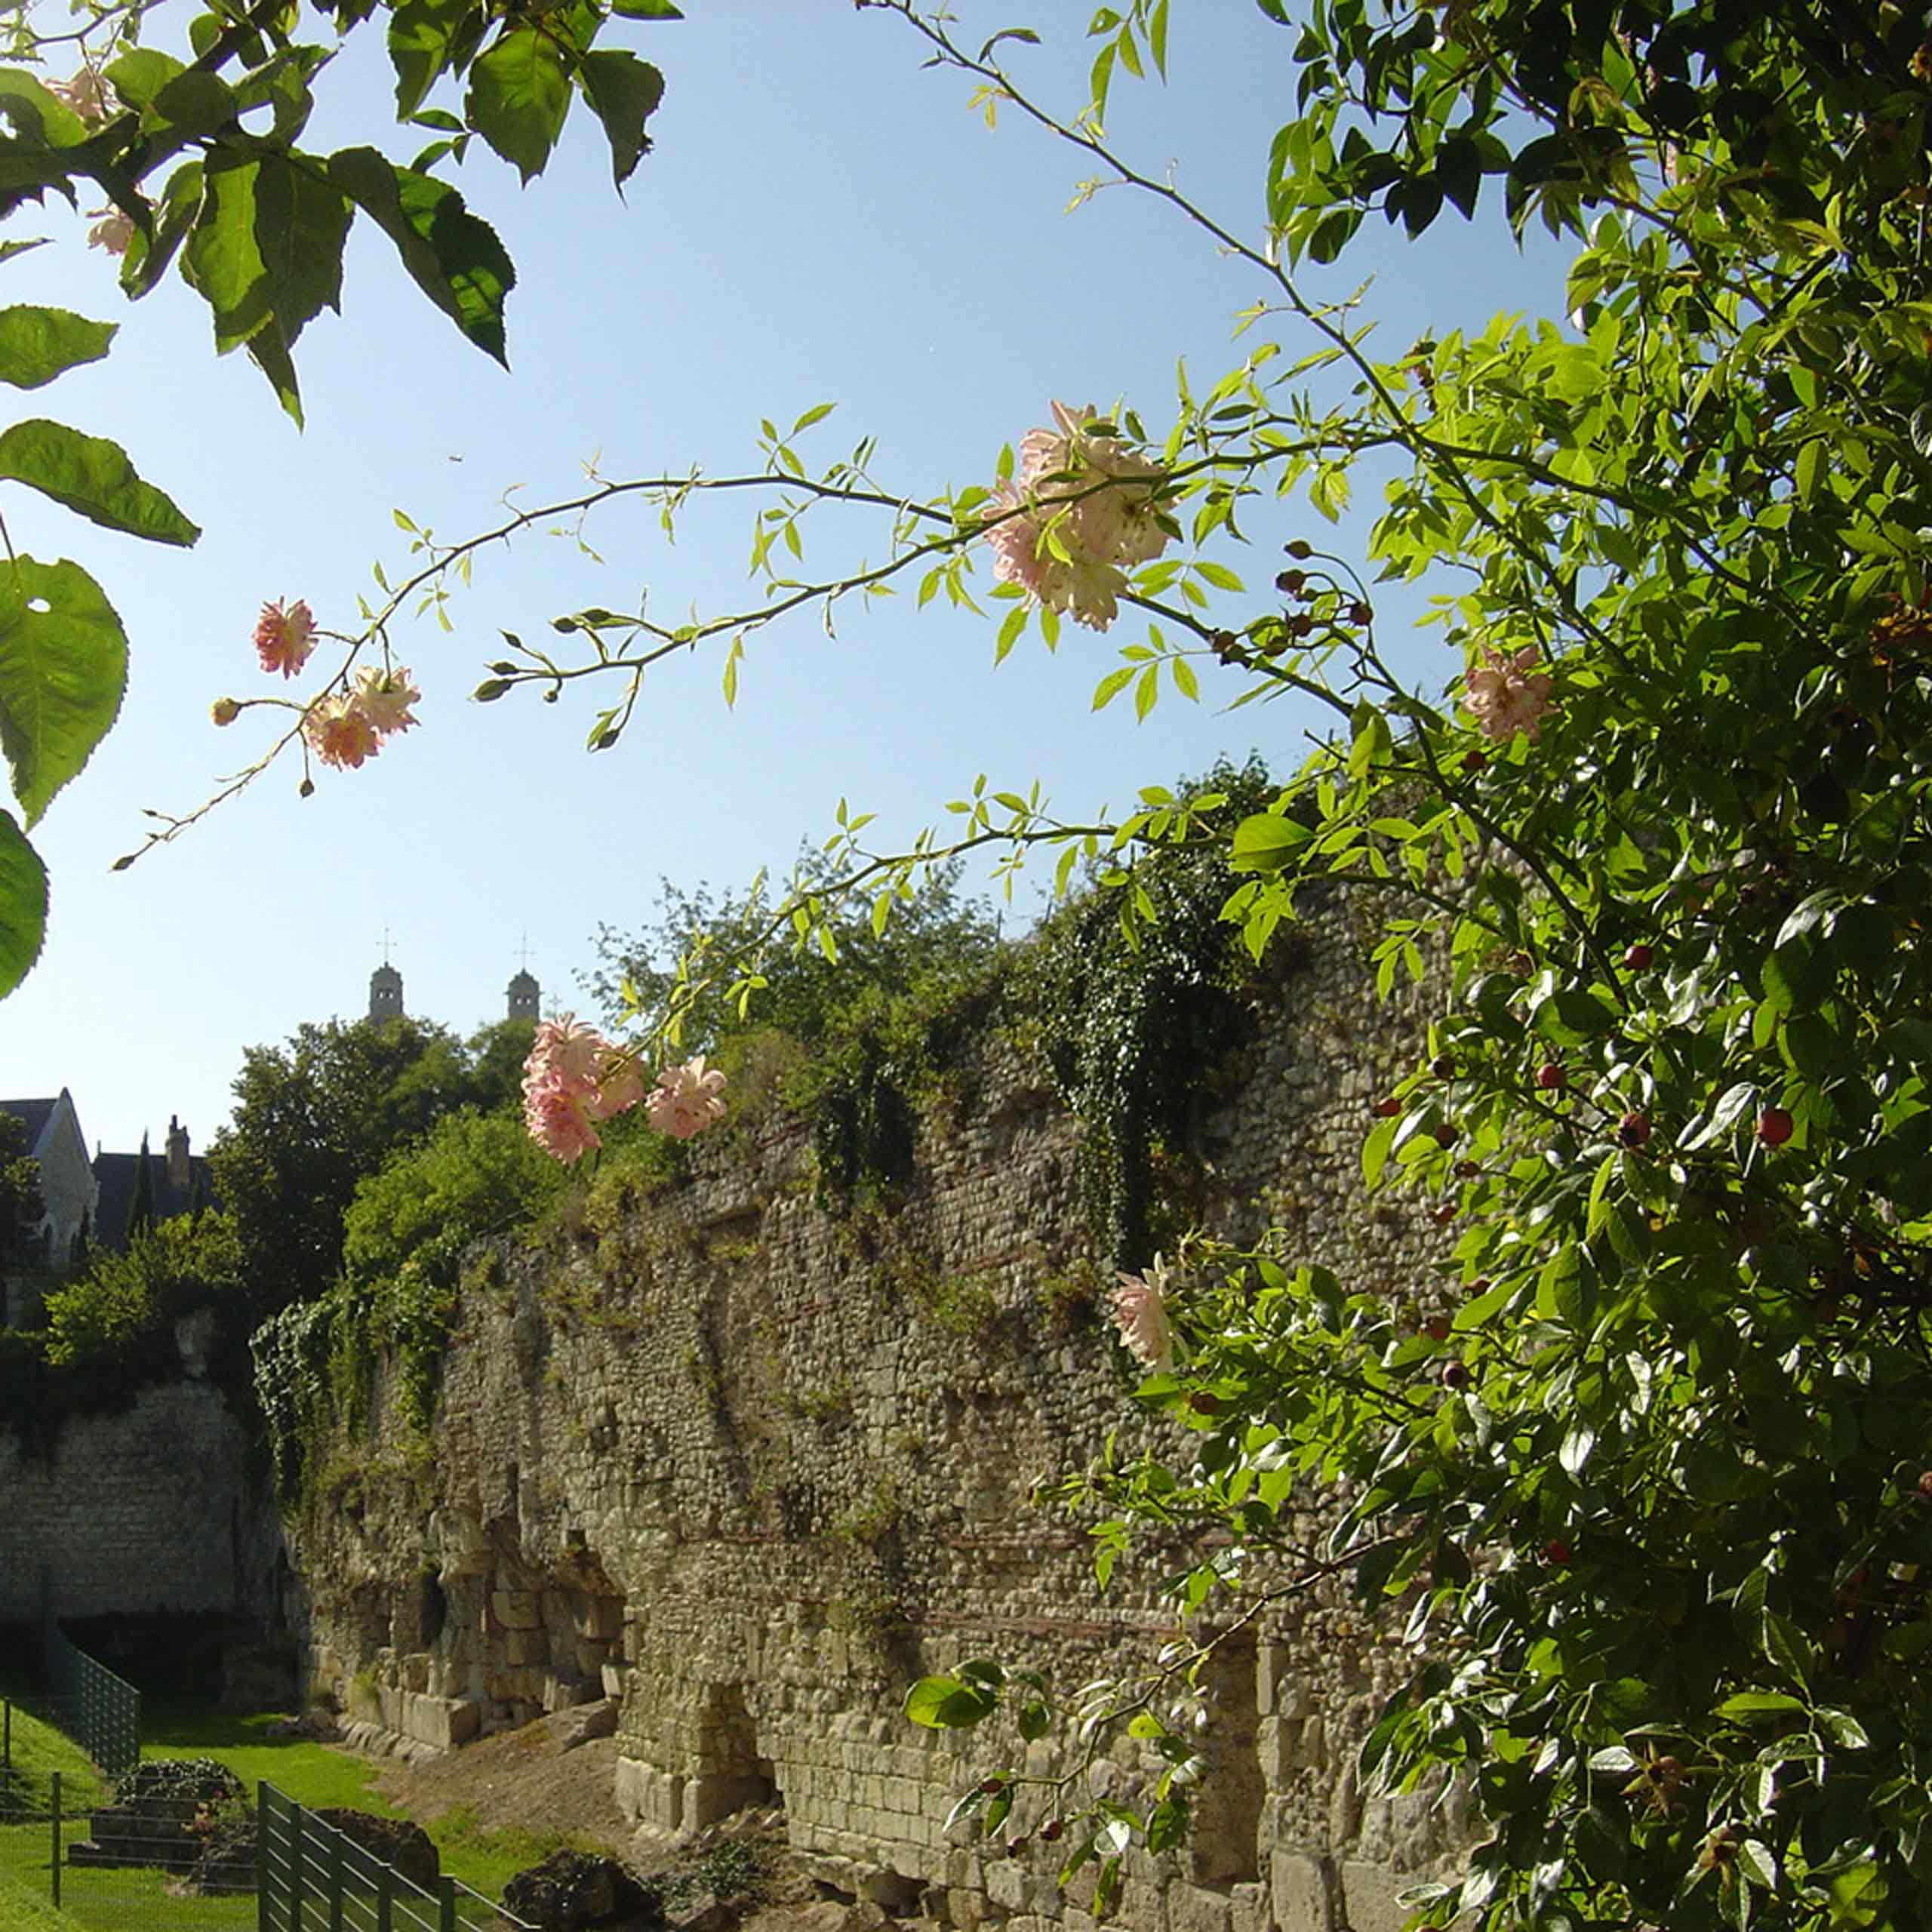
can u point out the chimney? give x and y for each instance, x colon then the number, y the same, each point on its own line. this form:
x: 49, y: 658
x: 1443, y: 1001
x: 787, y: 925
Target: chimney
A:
x: 179, y: 1172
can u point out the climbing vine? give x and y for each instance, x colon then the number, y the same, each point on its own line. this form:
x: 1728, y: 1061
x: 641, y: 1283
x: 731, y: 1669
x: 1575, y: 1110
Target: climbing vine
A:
x: 1133, y: 1015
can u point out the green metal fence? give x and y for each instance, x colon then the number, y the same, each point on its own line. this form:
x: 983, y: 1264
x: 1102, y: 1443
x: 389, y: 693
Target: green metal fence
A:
x: 99, y: 1711
x: 311, y: 1878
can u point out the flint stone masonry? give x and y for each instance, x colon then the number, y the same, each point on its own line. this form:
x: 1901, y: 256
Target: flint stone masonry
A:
x: 154, y: 1509
x: 750, y: 1467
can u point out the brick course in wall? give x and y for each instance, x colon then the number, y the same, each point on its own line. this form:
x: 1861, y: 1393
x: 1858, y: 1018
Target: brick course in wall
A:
x: 750, y: 1468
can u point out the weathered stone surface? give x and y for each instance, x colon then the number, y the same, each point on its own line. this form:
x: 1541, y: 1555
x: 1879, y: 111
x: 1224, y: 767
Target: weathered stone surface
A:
x: 749, y: 1465
x: 170, y: 1477
x: 573, y: 1889
x: 590, y: 1721
x: 399, y: 1844
x: 1304, y: 1892
x: 1368, y: 1897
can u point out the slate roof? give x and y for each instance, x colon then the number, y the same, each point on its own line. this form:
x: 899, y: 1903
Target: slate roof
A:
x: 117, y: 1173
x: 35, y: 1113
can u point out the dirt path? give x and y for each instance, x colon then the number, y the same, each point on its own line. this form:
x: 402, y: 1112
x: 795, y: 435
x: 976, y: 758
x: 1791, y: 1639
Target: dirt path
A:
x: 524, y: 1781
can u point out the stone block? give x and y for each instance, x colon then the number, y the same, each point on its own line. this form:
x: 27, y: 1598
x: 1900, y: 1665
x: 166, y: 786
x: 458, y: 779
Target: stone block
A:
x: 612, y: 1676
x: 1304, y: 1891
x: 601, y: 1617
x: 1143, y: 1905
x: 443, y: 1722
x: 1247, y: 1909
x: 516, y: 1609
x: 965, y: 1908
x: 1368, y: 1897
x: 1194, y: 1909
x: 522, y: 1647
x: 1009, y: 1885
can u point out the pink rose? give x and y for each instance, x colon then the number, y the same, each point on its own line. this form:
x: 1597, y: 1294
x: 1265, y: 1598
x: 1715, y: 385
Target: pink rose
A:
x: 339, y: 734
x: 385, y: 697
x: 685, y: 1100
x: 285, y: 638
x: 1140, y: 1313
x: 1064, y: 541
x: 1505, y: 695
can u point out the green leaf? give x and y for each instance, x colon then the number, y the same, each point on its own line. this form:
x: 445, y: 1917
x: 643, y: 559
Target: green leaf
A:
x: 623, y: 92
x: 41, y: 119
x: 646, y: 10
x: 23, y: 904
x: 1264, y: 843
x: 221, y: 262
x: 190, y: 107
x: 1759, y: 1704
x: 451, y: 255
x: 93, y: 476
x: 1033, y: 1721
x: 302, y: 223
x: 141, y: 73
x: 518, y: 96
x: 63, y: 666
x: 949, y: 1703
x: 420, y: 37
x: 36, y: 344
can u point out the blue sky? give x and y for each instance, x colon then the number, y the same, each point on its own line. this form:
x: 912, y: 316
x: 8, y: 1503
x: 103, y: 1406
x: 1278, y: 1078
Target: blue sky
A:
x: 820, y: 221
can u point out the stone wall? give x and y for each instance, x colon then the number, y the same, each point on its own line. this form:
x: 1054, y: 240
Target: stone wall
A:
x: 751, y: 1467
x: 156, y: 1507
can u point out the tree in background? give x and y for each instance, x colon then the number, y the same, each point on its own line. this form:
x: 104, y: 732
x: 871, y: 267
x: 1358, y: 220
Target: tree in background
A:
x: 313, y: 1119
x: 665, y: 967
x: 21, y: 1207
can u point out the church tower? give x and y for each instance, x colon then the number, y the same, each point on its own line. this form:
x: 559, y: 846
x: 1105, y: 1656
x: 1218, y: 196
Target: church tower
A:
x: 524, y: 994
x: 385, y: 994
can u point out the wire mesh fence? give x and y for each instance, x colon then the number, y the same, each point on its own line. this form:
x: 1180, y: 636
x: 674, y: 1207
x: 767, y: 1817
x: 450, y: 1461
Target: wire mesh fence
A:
x: 115, y: 1863
x: 99, y: 1711
x: 199, y: 1857
x: 315, y: 1878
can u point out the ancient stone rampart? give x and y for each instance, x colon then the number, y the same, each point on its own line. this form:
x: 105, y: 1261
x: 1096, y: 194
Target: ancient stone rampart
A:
x: 751, y: 1466
x: 157, y: 1507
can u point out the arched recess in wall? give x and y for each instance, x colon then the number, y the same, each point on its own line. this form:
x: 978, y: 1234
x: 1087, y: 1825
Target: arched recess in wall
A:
x: 733, y: 1773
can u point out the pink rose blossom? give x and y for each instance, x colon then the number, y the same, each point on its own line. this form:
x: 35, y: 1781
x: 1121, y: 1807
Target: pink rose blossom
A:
x: 558, y: 1123
x: 1064, y: 541
x: 285, y: 638
x: 573, y: 1076
x: 685, y: 1101
x: 85, y: 95
x: 568, y: 1049
x: 1140, y: 1313
x: 339, y: 733
x: 111, y: 230
x: 385, y: 697
x: 1505, y: 695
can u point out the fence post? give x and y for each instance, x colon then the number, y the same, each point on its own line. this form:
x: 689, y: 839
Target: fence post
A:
x: 383, y: 1901
x: 264, y: 1913
x: 446, y: 1898
x: 54, y: 1807
x: 294, y: 1868
x: 336, y: 1844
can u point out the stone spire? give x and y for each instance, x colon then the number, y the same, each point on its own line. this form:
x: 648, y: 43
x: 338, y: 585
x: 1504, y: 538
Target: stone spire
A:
x: 385, y: 994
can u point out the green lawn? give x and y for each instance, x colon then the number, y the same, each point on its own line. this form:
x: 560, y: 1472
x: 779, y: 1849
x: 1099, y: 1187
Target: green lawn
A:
x: 312, y: 1774
x: 23, y: 1909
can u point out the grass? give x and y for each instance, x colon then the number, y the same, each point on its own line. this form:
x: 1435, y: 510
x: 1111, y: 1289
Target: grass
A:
x: 312, y: 1774
x: 25, y: 1909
